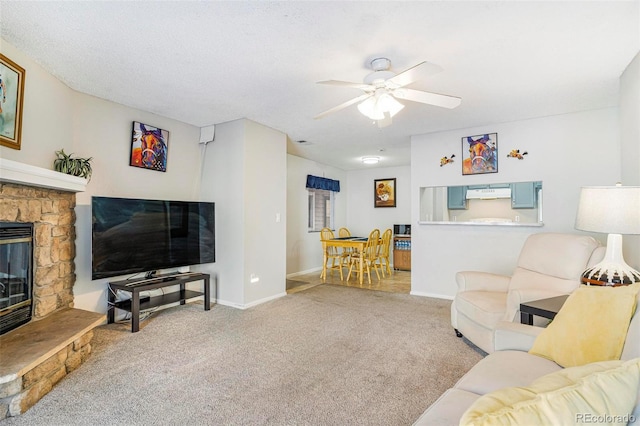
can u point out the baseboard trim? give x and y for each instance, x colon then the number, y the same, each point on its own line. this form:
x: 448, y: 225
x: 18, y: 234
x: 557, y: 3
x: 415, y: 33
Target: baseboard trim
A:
x: 308, y: 271
x: 434, y: 295
x: 251, y: 304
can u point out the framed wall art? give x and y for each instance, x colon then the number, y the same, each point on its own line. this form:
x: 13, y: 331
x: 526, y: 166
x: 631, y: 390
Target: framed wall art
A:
x: 149, y: 147
x: 384, y: 192
x: 11, y: 100
x: 480, y: 154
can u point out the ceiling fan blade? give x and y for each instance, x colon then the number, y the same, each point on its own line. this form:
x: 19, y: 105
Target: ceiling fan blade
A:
x: 361, y: 86
x: 344, y: 105
x: 444, y: 101
x: 412, y: 74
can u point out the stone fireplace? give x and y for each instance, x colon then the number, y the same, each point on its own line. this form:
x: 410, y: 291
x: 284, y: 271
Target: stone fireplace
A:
x: 52, y: 214
x: 36, y: 355
x: 16, y: 265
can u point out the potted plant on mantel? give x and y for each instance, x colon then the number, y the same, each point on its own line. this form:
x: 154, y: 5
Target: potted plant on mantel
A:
x: 80, y: 167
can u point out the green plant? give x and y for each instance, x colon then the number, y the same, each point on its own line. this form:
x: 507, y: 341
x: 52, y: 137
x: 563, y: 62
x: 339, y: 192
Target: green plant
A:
x: 72, y: 166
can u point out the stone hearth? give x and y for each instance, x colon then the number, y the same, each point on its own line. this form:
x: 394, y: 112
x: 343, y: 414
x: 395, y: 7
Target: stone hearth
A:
x: 38, y: 354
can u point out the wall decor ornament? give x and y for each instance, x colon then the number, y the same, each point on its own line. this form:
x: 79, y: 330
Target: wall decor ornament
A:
x: 482, y: 154
x: 149, y: 147
x: 446, y: 160
x: 11, y: 100
x: 384, y: 192
x: 515, y: 153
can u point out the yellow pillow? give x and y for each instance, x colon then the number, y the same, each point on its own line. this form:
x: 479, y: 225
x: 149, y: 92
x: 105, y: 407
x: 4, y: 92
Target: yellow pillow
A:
x: 591, y: 326
x: 603, y: 393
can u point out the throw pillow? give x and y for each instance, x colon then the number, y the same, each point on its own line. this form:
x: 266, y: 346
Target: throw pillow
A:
x: 591, y: 326
x: 603, y: 393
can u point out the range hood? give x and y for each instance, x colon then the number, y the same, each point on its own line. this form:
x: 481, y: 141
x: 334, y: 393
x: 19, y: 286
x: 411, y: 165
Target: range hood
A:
x: 488, y: 193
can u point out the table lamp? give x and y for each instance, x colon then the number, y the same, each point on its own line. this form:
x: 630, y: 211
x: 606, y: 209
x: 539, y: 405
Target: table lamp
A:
x: 614, y: 210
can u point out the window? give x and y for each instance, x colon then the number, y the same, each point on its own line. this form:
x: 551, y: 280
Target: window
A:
x: 320, y: 209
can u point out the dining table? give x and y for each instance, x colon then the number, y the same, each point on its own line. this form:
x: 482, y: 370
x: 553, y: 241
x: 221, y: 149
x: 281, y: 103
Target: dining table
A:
x: 355, y: 243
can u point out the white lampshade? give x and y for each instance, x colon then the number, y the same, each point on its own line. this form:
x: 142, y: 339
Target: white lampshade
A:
x: 609, y: 209
x: 614, y: 210
x: 376, y: 106
x: 368, y: 108
x: 387, y: 103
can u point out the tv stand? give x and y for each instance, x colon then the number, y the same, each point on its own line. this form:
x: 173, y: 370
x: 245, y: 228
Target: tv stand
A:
x: 135, y: 305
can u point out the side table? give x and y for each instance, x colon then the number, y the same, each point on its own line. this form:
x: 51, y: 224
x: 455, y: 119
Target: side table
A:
x: 546, y: 308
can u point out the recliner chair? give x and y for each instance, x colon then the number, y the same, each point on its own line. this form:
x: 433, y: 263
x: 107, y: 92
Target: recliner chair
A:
x: 550, y: 264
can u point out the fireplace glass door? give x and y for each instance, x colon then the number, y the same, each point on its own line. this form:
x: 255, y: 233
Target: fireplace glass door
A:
x: 16, y: 254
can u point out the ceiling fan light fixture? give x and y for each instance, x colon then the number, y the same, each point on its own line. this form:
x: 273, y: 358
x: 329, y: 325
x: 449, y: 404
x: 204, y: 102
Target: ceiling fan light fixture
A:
x: 376, y: 106
x: 387, y: 103
x: 369, y: 108
x: 370, y: 160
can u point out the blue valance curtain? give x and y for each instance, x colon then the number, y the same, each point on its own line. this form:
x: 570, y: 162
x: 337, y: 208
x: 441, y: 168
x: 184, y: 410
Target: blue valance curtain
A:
x: 316, y: 182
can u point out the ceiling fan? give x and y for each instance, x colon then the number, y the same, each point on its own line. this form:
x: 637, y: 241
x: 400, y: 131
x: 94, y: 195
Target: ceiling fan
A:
x: 383, y: 86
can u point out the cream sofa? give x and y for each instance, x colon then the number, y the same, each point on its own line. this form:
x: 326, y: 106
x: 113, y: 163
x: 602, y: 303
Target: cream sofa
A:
x: 550, y: 264
x: 510, y: 366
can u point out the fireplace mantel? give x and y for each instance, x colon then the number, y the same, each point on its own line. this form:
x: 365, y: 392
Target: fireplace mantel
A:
x: 25, y: 174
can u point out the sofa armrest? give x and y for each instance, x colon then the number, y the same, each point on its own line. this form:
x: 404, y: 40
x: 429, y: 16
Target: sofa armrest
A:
x: 514, y: 336
x: 483, y: 281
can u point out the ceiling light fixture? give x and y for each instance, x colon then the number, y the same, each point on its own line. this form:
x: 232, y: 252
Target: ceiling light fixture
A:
x: 370, y: 160
x: 380, y: 104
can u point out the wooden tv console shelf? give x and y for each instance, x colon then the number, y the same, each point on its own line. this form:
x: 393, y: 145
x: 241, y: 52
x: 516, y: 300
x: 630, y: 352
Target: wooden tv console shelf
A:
x: 135, y: 286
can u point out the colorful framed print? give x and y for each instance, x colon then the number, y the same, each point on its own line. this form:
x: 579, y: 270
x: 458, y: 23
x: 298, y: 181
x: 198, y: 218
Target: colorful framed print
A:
x: 11, y: 100
x: 149, y: 147
x: 480, y: 154
x: 384, y: 192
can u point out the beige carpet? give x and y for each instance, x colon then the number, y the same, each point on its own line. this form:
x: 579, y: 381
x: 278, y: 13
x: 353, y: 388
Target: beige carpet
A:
x: 329, y: 355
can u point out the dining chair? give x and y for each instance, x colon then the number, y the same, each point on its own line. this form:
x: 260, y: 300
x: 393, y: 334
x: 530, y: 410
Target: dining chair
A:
x: 346, y: 251
x: 367, y: 256
x: 383, y: 254
x: 335, y: 260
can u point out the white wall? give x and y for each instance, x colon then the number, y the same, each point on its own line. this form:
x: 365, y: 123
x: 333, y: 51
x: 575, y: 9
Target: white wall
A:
x: 630, y: 145
x: 304, y: 252
x: 244, y: 173
x: 362, y: 216
x: 265, y: 212
x: 222, y: 183
x: 46, y: 116
x: 353, y: 204
x: 564, y: 152
x: 103, y: 130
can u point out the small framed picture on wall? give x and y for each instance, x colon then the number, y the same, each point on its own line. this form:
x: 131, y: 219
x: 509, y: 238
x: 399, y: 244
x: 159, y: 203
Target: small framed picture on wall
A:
x: 480, y: 154
x: 149, y: 147
x: 11, y: 99
x: 384, y: 192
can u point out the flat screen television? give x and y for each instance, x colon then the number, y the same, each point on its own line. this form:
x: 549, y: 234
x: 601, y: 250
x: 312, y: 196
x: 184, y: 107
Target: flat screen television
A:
x: 134, y: 235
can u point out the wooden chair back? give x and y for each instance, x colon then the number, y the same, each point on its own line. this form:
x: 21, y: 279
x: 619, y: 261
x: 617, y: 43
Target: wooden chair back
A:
x: 327, y: 234
x: 371, y: 248
x: 386, y: 242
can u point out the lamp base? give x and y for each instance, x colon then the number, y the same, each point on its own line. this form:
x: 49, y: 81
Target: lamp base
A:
x: 609, y: 276
x: 613, y: 270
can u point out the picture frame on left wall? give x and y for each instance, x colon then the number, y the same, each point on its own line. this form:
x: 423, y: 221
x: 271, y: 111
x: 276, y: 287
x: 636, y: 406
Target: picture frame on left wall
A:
x: 11, y: 99
x: 149, y: 147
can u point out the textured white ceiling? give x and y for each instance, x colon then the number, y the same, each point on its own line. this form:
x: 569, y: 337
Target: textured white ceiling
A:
x: 205, y: 63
